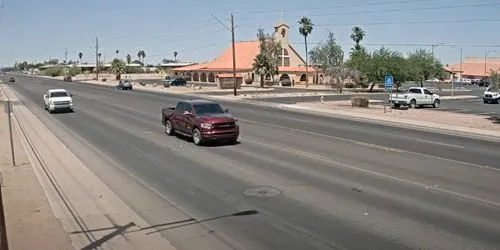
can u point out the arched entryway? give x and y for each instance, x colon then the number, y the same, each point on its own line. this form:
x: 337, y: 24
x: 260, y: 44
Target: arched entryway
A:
x: 285, y: 80
x: 196, y: 77
x: 203, y: 77
x: 211, y: 77
x: 303, y: 78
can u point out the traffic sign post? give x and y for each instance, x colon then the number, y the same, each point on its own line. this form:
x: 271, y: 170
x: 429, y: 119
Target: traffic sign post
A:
x: 389, y: 83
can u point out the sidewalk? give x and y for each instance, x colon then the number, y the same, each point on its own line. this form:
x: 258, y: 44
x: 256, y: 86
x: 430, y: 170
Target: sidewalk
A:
x: 31, y: 224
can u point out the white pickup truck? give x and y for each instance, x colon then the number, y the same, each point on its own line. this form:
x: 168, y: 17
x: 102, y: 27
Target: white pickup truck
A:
x: 58, y: 99
x: 416, y: 96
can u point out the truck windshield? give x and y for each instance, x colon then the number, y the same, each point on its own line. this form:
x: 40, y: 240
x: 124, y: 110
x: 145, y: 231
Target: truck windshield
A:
x: 208, y: 109
x: 58, y: 94
x: 493, y: 89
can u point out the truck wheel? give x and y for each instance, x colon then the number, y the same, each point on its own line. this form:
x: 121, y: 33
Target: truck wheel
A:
x: 168, y: 128
x: 413, y: 104
x: 436, y: 103
x: 197, y: 139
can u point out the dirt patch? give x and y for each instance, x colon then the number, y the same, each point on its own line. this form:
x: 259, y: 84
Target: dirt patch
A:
x: 30, y: 221
x: 419, y: 114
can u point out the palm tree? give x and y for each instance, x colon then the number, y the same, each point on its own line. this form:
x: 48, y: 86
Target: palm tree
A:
x: 357, y: 36
x: 117, y: 52
x: 262, y: 66
x: 80, y: 55
x: 305, y: 29
x: 129, y: 58
x: 175, y: 56
x: 139, y: 55
x: 143, y: 53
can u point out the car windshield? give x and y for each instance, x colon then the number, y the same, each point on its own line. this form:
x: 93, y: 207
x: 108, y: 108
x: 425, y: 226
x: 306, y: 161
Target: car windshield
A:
x: 58, y: 94
x: 493, y: 89
x: 208, y: 109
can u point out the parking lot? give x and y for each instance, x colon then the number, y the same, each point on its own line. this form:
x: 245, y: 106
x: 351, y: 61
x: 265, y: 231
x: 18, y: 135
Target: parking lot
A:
x: 470, y: 106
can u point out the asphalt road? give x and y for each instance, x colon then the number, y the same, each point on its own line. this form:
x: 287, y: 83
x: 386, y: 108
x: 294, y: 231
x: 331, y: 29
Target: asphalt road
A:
x: 325, y: 183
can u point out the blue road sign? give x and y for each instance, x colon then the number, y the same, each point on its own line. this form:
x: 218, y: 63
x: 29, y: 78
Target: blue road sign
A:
x: 389, y: 81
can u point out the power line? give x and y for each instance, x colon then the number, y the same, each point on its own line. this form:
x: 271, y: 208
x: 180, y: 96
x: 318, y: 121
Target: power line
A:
x: 385, y: 11
x: 169, y: 33
x: 411, y: 44
x: 409, y: 22
x: 169, y: 41
x: 191, y: 49
x: 334, y: 6
x: 397, y: 23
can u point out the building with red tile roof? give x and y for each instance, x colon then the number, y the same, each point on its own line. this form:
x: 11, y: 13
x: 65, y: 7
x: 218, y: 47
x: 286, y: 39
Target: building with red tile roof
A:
x: 292, y: 65
x: 474, y: 67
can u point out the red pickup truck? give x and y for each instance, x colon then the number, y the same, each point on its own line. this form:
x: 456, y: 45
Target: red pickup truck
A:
x: 202, y: 120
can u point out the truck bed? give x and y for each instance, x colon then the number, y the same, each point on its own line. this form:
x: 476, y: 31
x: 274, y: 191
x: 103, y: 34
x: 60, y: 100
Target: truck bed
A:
x: 166, y: 113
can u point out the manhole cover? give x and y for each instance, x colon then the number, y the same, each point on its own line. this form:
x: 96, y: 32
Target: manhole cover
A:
x: 262, y: 192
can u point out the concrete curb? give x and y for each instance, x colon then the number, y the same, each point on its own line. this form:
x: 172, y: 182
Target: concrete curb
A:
x: 77, y: 196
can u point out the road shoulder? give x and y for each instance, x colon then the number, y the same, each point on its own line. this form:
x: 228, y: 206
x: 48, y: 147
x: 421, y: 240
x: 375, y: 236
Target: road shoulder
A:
x: 91, y: 213
x: 27, y: 209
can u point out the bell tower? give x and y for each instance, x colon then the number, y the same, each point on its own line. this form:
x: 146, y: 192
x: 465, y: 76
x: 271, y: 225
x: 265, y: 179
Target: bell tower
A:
x: 281, y: 34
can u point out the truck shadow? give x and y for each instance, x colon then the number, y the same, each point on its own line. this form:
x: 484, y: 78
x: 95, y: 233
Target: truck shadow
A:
x: 209, y: 144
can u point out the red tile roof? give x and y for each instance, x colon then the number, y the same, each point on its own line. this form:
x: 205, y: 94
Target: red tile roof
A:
x: 246, y: 52
x: 474, y: 68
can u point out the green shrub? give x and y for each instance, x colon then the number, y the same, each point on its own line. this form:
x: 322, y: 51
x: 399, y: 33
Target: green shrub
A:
x: 54, y: 72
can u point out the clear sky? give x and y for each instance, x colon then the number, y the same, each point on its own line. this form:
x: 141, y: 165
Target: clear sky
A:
x: 36, y: 30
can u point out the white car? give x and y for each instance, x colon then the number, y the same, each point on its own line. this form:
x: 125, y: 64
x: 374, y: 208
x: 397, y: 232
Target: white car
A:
x: 491, y: 94
x: 58, y: 99
x: 416, y: 96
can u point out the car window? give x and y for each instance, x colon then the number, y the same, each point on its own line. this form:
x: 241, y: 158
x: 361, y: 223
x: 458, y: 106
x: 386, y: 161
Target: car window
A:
x: 427, y: 92
x: 59, y: 94
x: 180, y: 108
x: 415, y: 91
x: 206, y: 109
x: 492, y: 89
x: 189, y: 107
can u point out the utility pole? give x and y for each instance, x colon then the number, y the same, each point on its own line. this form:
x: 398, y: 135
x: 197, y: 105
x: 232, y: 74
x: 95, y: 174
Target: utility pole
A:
x: 234, y: 55
x: 97, y: 58
x: 66, y: 55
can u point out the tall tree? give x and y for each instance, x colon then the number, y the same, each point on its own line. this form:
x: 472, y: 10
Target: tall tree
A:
x: 129, y: 58
x: 143, y: 53
x: 117, y: 52
x: 305, y: 29
x: 357, y: 36
x: 80, y: 56
x: 175, y: 56
x: 118, y: 67
x: 271, y: 50
x: 139, y: 55
x: 329, y: 56
x: 425, y: 65
x: 261, y: 66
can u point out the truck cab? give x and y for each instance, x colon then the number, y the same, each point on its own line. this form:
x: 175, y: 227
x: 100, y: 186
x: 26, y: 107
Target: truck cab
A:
x: 202, y: 120
x: 416, y: 96
x: 491, y: 94
x: 58, y: 99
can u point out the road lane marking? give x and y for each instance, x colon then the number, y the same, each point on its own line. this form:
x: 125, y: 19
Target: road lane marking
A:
x: 440, y: 143
x: 369, y: 172
x: 369, y: 144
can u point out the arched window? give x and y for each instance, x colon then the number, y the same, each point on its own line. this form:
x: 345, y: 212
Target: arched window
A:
x: 284, y: 58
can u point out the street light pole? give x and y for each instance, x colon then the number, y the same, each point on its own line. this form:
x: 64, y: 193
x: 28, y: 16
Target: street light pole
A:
x: 485, y: 59
x: 435, y: 45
